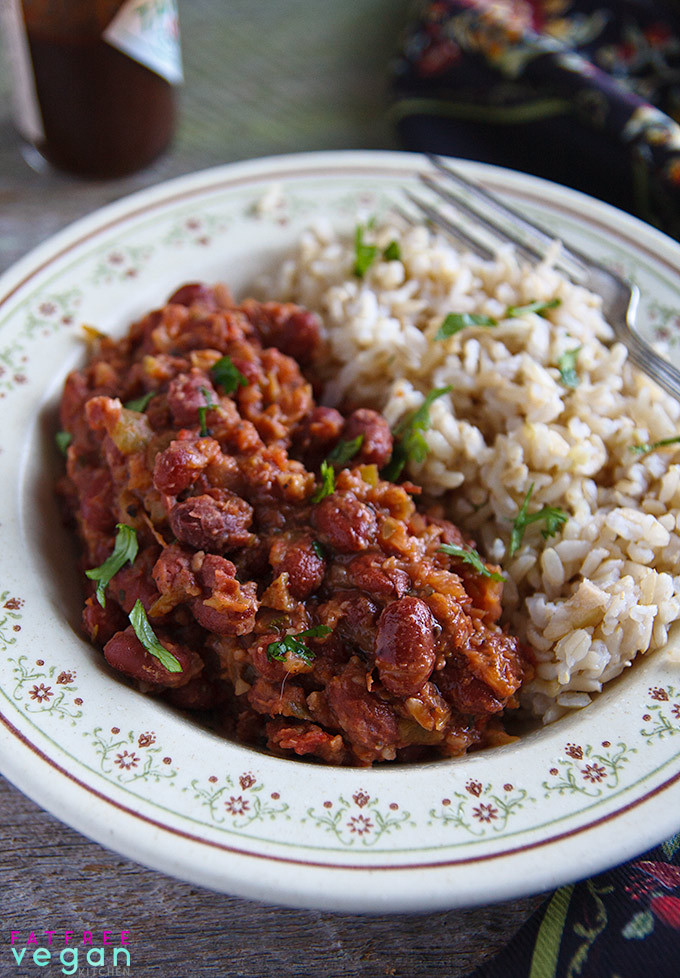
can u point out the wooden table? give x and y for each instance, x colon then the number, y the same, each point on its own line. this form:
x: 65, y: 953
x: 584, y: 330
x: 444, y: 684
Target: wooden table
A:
x: 252, y: 89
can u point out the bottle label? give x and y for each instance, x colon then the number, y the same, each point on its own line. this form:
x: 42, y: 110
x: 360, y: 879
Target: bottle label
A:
x: 148, y: 32
x: 27, y: 113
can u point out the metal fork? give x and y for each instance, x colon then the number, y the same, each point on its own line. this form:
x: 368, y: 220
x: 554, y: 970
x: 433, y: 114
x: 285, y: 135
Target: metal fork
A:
x: 493, y: 222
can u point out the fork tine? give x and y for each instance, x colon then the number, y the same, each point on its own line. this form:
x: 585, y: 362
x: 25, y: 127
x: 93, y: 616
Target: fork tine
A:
x: 499, y: 233
x: 477, y: 246
x: 536, y: 239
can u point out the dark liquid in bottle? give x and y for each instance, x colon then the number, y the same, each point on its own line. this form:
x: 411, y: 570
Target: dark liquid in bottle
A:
x: 104, y: 114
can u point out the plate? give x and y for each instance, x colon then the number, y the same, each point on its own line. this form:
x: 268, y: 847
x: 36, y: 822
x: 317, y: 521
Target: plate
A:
x: 567, y: 800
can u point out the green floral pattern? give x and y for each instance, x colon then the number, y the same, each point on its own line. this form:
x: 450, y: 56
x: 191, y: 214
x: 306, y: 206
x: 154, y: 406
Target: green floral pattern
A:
x: 239, y: 806
x: 481, y: 809
x: 131, y: 757
x: 361, y: 821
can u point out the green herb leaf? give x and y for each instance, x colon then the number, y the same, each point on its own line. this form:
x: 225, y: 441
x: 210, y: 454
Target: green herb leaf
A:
x: 293, y: 643
x: 63, y: 439
x: 554, y: 519
x: 540, y: 307
x: 344, y: 451
x: 392, y: 252
x: 203, y: 410
x: 227, y: 376
x: 124, y: 549
x: 318, y: 549
x: 147, y: 637
x: 647, y: 447
x: 141, y: 403
x: 471, y: 557
x: 364, y: 254
x: 409, y: 444
x: 456, y: 321
x: 567, y: 365
x: 327, y: 487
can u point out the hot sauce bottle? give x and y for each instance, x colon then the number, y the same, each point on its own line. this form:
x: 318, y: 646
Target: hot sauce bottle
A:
x: 94, y: 80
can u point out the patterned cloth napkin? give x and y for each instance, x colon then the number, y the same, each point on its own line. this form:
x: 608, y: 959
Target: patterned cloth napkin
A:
x: 621, y: 924
x: 583, y: 92
x: 586, y: 93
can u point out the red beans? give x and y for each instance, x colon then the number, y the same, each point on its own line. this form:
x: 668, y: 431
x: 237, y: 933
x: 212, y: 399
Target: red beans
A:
x: 369, y: 723
x: 336, y: 628
x: 182, y: 462
x: 372, y: 572
x: 217, y: 521
x: 376, y: 446
x: 127, y: 654
x: 186, y: 394
x: 296, y: 557
x: 405, y: 646
x: 227, y: 607
x: 193, y: 293
x: 345, y: 523
x: 317, y: 433
x: 293, y: 330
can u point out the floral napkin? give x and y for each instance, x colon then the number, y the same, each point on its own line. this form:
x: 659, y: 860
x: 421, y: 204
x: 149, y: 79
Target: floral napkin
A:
x: 583, y: 92
x: 621, y: 924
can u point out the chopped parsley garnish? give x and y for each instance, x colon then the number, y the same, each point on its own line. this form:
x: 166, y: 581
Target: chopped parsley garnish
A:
x: 392, y: 252
x: 293, y: 643
x: 141, y: 403
x: 344, y: 451
x: 647, y: 447
x: 147, y: 637
x: 470, y: 557
x: 456, y: 321
x: 203, y: 410
x: 364, y: 254
x: 567, y: 365
x: 327, y: 487
x: 124, y: 549
x: 318, y: 550
x: 409, y: 443
x: 540, y: 307
x: 227, y: 375
x: 554, y: 519
x: 63, y: 440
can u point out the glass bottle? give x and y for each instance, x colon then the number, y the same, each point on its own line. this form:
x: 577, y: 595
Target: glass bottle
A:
x: 94, y: 80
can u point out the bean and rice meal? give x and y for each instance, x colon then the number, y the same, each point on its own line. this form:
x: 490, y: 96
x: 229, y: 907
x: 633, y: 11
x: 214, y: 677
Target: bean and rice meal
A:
x: 363, y: 521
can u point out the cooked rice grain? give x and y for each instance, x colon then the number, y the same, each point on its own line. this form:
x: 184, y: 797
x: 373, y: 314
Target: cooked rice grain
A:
x: 606, y: 586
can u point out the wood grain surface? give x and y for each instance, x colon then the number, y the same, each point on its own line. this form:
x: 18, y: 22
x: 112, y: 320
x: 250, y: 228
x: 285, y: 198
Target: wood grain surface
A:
x: 261, y: 78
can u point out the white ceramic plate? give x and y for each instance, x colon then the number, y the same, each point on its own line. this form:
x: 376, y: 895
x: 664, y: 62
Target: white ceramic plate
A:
x: 140, y: 778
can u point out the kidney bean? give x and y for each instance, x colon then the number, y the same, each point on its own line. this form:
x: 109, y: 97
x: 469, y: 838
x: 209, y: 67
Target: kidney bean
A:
x: 101, y: 624
x: 193, y: 293
x: 185, y: 397
x: 405, y: 646
x: 293, y: 330
x: 345, y: 523
x: 227, y: 607
x: 368, y: 723
x: 376, y: 447
x: 295, y: 555
x: 464, y: 691
x: 127, y: 654
x: 135, y: 581
x: 218, y: 520
x: 317, y: 433
x: 368, y: 572
x: 178, y: 467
